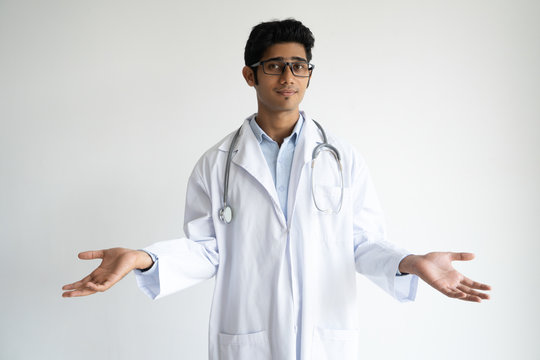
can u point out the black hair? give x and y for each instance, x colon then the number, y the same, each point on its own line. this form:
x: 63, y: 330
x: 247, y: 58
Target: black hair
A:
x: 269, y: 33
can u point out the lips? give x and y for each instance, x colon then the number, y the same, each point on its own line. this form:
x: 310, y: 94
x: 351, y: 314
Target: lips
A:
x: 286, y: 92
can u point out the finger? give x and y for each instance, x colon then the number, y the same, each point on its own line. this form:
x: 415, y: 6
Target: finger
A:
x: 461, y: 256
x: 453, y: 293
x: 70, y: 286
x: 76, y: 284
x: 92, y: 254
x: 99, y: 286
x: 462, y: 296
x: 471, y: 298
x: 77, y: 293
x: 82, y: 288
x: 470, y: 291
x: 475, y: 285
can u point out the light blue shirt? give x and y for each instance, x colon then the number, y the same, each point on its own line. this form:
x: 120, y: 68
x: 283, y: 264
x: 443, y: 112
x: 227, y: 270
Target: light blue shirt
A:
x: 279, y: 158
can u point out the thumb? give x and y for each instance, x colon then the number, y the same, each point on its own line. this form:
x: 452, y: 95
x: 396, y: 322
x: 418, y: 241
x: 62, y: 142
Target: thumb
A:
x: 461, y: 256
x: 92, y: 254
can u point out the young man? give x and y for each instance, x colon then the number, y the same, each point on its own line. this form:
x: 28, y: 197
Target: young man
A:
x: 284, y: 234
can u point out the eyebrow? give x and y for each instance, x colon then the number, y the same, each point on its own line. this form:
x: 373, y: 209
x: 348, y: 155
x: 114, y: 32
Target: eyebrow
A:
x: 281, y: 58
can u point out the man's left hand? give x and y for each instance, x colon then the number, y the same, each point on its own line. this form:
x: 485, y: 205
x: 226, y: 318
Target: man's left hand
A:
x: 436, y: 269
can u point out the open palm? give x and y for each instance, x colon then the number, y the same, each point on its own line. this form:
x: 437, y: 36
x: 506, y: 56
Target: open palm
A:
x: 115, y: 264
x: 436, y: 269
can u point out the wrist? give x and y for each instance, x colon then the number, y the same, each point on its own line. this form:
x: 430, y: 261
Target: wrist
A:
x: 143, y: 261
x: 408, y: 264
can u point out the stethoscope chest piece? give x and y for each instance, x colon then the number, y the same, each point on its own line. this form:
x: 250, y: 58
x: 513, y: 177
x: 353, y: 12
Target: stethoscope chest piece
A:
x: 226, y: 214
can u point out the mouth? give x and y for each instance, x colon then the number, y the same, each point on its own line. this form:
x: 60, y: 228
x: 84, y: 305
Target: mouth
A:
x: 287, y: 92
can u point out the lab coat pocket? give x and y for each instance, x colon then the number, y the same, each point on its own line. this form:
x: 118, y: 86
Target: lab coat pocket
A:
x: 245, y: 346
x: 334, y: 344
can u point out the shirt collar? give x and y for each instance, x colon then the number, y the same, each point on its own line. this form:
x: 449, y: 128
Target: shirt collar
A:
x: 260, y: 134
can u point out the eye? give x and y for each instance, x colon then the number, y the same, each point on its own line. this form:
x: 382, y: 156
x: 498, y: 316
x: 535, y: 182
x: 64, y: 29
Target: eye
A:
x: 273, y: 65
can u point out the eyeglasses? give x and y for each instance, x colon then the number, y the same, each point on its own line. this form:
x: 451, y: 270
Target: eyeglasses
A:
x: 277, y: 67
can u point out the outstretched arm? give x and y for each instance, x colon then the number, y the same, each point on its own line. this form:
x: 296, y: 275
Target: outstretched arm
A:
x: 436, y: 269
x: 115, y: 264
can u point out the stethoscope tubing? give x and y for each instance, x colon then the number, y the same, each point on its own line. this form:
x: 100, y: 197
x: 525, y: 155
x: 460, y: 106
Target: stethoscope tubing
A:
x: 226, y: 212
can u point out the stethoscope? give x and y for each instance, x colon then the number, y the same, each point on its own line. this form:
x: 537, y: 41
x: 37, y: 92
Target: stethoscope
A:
x: 226, y: 212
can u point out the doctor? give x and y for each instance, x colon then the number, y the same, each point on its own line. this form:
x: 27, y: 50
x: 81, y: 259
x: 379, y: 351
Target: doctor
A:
x: 286, y: 258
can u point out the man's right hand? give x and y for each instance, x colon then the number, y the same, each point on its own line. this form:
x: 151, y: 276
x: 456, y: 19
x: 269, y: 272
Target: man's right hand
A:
x: 115, y: 264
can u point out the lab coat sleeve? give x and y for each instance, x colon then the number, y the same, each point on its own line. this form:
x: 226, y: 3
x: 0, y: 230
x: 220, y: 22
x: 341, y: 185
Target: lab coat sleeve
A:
x: 376, y: 258
x: 181, y: 263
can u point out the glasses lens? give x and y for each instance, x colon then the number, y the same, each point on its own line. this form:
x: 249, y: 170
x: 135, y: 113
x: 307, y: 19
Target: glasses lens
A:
x: 274, y: 67
x: 300, y: 68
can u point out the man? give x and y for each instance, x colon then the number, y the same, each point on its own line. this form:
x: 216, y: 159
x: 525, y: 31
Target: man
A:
x: 287, y: 234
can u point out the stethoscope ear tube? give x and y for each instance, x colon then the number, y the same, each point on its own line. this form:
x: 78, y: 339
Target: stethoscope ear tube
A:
x: 335, y: 152
x: 330, y: 148
x: 226, y: 213
x: 337, y: 157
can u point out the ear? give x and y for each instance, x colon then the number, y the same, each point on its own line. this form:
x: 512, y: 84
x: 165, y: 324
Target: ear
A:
x: 248, y: 75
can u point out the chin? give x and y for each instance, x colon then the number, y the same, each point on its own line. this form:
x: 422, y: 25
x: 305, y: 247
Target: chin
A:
x: 287, y: 108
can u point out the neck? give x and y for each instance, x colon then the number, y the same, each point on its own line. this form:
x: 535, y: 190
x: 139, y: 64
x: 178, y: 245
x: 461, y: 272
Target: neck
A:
x: 277, y: 125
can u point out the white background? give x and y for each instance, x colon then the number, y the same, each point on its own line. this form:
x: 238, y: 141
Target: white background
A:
x: 105, y: 106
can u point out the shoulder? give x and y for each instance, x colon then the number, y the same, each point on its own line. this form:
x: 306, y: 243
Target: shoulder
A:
x: 215, y: 157
x: 210, y: 157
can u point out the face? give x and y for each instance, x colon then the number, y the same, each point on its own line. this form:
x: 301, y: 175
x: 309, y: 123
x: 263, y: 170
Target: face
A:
x: 279, y: 93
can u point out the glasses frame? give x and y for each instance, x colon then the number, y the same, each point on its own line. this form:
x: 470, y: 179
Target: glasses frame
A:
x: 287, y: 64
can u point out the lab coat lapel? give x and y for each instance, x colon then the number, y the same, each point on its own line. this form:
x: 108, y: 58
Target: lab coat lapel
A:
x: 310, y: 137
x: 249, y: 156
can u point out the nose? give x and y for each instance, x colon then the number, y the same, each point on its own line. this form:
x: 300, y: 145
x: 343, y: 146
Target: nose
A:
x: 287, y: 76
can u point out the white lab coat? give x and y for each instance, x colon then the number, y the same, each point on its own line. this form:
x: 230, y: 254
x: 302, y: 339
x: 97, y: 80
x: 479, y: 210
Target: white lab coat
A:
x: 261, y: 308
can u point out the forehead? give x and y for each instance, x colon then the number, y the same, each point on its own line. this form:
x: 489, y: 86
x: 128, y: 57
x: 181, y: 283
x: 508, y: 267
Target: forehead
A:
x: 285, y: 50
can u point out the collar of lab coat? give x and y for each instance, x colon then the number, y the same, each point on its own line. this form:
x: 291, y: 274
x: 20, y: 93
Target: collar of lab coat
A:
x: 248, y: 152
x: 248, y: 155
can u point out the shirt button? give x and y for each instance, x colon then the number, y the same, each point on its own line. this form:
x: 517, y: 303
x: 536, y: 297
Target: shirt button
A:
x: 282, y: 188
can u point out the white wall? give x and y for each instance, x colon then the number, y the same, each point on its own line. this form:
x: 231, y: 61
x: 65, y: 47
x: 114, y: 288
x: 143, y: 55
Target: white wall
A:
x: 106, y: 105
